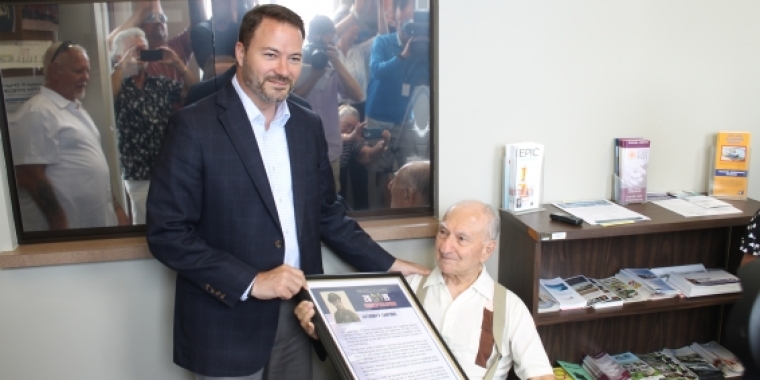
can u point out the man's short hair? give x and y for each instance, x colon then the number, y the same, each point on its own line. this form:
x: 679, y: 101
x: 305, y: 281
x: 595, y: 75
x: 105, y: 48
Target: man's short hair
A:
x: 47, y: 58
x: 120, y: 41
x: 332, y: 297
x: 415, y: 174
x: 494, y: 221
x: 319, y: 26
x: 348, y: 110
x: 256, y: 16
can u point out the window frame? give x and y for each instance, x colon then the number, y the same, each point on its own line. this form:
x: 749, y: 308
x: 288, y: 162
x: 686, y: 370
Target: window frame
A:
x: 126, y: 232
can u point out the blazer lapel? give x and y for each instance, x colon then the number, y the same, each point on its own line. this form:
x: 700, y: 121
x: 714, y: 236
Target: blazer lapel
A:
x: 297, y: 169
x: 235, y: 121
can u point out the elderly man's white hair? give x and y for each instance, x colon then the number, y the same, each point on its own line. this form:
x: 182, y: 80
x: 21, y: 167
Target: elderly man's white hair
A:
x: 119, y: 42
x: 47, y: 58
x: 494, y: 222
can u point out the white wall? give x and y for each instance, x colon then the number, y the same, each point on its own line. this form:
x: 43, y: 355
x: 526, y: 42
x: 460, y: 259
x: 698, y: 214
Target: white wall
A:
x: 572, y: 75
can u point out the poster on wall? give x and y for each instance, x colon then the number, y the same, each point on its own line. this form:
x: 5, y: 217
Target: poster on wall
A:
x: 22, y: 54
x: 40, y: 17
x: 18, y: 90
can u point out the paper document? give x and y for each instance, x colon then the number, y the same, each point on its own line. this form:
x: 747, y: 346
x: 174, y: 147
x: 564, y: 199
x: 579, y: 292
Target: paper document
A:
x: 600, y: 211
x: 688, y: 209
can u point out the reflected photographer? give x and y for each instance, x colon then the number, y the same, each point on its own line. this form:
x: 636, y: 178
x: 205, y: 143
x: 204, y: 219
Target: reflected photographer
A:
x: 325, y: 77
x: 143, y: 104
x: 399, y: 64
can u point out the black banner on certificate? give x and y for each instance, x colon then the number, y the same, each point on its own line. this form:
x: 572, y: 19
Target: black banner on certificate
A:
x: 373, y: 327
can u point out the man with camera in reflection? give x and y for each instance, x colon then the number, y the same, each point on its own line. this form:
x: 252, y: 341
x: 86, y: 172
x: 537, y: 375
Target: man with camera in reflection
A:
x: 142, y: 104
x: 324, y: 78
x: 150, y: 17
x: 399, y: 63
x: 61, y: 170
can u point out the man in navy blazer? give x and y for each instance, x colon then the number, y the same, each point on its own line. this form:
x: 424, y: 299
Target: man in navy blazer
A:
x: 241, y: 197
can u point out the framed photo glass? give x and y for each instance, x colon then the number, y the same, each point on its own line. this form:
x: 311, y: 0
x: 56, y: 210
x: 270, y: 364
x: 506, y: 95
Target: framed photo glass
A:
x: 373, y: 326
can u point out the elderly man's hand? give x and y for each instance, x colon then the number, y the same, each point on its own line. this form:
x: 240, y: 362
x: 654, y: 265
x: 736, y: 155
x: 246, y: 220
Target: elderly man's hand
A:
x: 407, y: 268
x: 305, y: 311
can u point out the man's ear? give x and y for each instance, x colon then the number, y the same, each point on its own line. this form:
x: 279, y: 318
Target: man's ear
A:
x: 488, y: 247
x: 239, y: 53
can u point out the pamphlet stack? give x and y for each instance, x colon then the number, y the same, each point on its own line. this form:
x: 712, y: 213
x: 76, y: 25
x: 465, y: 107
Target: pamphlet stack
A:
x: 730, y: 167
x: 523, y: 177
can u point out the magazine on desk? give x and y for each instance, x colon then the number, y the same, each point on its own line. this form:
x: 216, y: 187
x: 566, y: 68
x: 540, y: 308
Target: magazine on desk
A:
x: 600, y: 212
x: 670, y: 368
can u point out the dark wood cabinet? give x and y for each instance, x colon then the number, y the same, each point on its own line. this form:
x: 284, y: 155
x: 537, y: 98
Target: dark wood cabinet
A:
x: 533, y: 247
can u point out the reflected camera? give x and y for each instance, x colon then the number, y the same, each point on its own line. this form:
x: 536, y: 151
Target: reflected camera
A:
x: 314, y: 54
x: 151, y: 55
x: 419, y: 27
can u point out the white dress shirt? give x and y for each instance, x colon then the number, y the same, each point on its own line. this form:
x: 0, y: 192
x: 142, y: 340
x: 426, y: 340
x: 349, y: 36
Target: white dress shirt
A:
x: 273, y: 145
x: 459, y: 322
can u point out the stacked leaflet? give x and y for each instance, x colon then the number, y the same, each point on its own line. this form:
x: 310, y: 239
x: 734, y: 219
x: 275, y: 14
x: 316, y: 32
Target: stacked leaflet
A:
x: 670, y: 368
x: 603, y: 366
x: 721, y: 357
x: 695, y: 363
x: 567, y: 297
x: 709, y: 282
x: 648, y: 282
x: 576, y: 371
x: 638, y: 368
x: 595, y: 296
x: 546, y: 303
x: 622, y: 289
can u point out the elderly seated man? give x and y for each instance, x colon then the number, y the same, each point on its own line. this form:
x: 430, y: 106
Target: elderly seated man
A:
x: 460, y: 292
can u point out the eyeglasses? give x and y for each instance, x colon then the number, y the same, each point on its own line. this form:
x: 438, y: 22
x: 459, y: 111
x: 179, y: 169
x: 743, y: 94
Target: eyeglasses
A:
x: 155, y: 17
x: 65, y: 45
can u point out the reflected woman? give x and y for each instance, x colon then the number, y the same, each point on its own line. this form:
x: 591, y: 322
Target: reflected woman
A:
x: 142, y: 104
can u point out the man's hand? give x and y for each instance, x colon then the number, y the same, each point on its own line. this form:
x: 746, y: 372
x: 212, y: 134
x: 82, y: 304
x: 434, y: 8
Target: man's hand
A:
x: 332, y: 55
x: 407, y: 268
x: 282, y: 282
x: 171, y: 59
x: 357, y: 133
x: 305, y: 312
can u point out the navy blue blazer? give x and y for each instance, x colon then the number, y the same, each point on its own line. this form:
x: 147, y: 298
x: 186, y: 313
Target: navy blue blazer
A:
x: 211, y: 217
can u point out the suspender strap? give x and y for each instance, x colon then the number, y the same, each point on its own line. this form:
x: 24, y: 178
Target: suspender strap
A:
x: 499, y: 323
x: 499, y: 319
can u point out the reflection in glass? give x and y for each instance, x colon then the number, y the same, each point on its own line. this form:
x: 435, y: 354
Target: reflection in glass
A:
x: 378, y: 71
x: 61, y: 170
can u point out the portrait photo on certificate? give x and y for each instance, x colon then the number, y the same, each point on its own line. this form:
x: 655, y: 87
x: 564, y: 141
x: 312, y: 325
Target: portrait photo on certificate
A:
x: 373, y: 327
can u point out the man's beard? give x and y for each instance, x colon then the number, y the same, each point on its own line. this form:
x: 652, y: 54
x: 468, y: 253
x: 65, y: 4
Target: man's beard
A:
x: 256, y: 85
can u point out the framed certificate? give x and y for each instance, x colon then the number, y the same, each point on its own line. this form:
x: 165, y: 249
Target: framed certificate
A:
x: 373, y: 327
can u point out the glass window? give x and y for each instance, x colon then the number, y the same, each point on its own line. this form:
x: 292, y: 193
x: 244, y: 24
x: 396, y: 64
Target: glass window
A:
x: 89, y: 87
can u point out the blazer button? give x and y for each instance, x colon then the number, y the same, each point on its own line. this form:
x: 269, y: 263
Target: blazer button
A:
x: 278, y: 244
x: 208, y: 287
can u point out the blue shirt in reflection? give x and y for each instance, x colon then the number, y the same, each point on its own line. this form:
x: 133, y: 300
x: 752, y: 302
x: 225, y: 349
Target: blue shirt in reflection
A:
x: 387, y: 99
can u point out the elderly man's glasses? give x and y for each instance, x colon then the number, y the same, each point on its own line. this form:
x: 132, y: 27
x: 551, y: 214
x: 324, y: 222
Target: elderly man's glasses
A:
x: 155, y: 17
x: 65, y: 45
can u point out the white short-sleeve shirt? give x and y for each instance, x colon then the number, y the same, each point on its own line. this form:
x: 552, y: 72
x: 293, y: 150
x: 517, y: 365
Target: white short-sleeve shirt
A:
x: 51, y: 130
x: 459, y: 322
